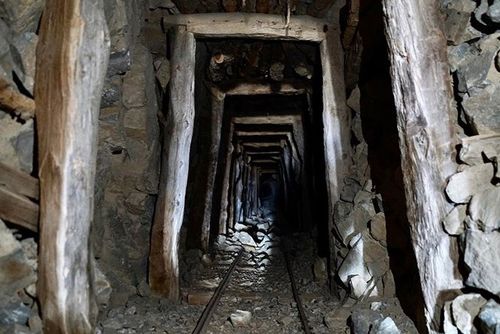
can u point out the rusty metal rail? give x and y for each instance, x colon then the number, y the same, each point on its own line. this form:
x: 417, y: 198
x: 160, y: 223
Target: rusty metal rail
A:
x: 296, y: 296
x: 212, y: 304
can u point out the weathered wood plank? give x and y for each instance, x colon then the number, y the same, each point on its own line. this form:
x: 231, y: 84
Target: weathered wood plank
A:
x: 215, y: 136
x: 18, y: 210
x: 72, y: 57
x: 13, y: 101
x: 223, y: 213
x: 422, y: 94
x: 19, y: 182
x: 263, y: 26
x: 169, y: 213
x: 336, y: 125
x: 285, y: 88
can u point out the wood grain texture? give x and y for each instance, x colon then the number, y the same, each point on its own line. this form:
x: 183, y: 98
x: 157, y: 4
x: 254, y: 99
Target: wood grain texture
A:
x: 19, y: 182
x: 262, y: 26
x: 169, y: 213
x: 215, y: 137
x: 422, y: 95
x: 18, y: 210
x: 72, y: 56
x: 336, y: 125
x: 14, y: 102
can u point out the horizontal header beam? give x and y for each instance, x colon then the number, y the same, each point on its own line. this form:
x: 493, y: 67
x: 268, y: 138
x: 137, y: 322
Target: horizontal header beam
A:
x: 260, y: 26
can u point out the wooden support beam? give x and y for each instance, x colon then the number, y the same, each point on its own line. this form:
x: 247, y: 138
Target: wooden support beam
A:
x: 72, y: 56
x: 14, y: 102
x: 215, y: 136
x: 285, y: 88
x: 336, y: 125
x: 422, y: 94
x: 262, y: 26
x: 169, y: 213
x: 225, y: 183
x: 19, y: 182
x: 18, y: 210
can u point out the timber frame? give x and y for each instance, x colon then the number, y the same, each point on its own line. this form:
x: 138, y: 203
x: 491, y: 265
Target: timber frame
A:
x: 163, y: 266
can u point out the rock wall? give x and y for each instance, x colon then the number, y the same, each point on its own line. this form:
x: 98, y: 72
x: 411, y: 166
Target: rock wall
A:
x: 128, y: 155
x: 472, y: 30
x: 375, y: 255
x: 18, y: 248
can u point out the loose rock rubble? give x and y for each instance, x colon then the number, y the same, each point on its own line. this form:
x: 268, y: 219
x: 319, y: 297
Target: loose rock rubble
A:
x: 258, y: 298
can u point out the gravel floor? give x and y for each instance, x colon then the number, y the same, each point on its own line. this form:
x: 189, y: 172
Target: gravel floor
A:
x: 260, y: 285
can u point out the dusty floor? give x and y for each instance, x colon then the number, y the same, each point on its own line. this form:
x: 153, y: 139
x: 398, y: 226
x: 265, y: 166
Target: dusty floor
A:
x: 260, y: 284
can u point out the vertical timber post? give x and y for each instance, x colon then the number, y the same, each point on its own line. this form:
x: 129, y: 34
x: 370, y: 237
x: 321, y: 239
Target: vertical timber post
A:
x: 72, y: 57
x: 163, y: 257
x: 223, y: 214
x: 336, y: 125
x: 422, y: 95
x: 216, y: 132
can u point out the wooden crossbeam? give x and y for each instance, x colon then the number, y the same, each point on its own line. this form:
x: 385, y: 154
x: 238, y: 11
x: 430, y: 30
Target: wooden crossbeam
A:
x: 304, y: 28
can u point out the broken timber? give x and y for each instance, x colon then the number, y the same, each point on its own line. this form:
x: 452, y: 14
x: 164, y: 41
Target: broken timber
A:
x: 16, y: 190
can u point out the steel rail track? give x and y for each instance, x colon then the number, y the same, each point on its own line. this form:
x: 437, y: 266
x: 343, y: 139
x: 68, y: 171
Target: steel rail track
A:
x: 296, y: 296
x: 212, y: 304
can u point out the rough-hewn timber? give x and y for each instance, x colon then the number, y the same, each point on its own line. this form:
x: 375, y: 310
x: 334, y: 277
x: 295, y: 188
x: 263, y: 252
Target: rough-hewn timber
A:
x: 422, y: 95
x: 163, y: 258
x: 72, y: 58
x: 247, y: 25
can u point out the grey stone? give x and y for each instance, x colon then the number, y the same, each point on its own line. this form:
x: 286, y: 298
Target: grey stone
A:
x: 489, y: 318
x: 240, y: 318
x: 386, y: 326
x: 484, y: 208
x: 482, y: 251
x: 454, y: 222
x: 162, y: 67
x: 481, y: 110
x: 448, y: 325
x: 119, y: 63
x: 474, y: 69
x: 24, y: 145
x: 320, y: 270
x: 353, y: 271
x: 25, y: 44
x: 464, y: 309
x: 474, y: 147
x: 22, y: 15
x: 356, y: 222
x: 350, y: 189
x: 16, y: 271
x: 481, y: 11
x: 285, y: 321
x: 111, y: 92
x: 375, y: 256
x: 102, y: 286
x: 458, y: 28
x: 378, y: 228
x: 472, y: 180
x: 14, y: 312
x: 493, y: 12
x: 362, y: 320
x: 245, y: 239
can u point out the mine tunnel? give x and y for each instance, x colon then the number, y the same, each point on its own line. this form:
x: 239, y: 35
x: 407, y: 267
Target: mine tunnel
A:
x: 249, y: 166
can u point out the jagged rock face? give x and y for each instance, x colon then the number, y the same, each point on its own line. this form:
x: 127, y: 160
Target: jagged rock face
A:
x: 474, y: 221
